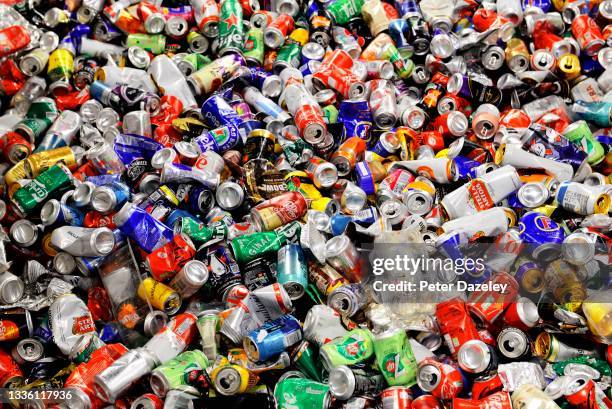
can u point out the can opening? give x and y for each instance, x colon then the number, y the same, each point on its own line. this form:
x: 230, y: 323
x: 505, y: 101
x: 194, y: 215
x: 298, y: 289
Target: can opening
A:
x: 104, y: 241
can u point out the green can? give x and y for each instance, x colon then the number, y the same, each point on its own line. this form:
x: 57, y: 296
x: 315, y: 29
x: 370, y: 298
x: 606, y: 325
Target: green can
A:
x: 403, y: 66
x: 248, y: 247
x: 231, y: 28
x: 196, y: 230
x: 154, y: 43
x: 342, y: 11
x: 193, y: 62
x: 395, y: 358
x: 49, y: 183
x: 254, y: 46
x: 302, y: 393
x: 175, y: 373
x: 305, y: 360
x: 330, y: 114
x: 580, y: 134
x: 41, y: 114
x: 356, y: 346
x: 288, y: 56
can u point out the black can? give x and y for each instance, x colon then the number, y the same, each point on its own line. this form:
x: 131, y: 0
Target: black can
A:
x: 258, y: 273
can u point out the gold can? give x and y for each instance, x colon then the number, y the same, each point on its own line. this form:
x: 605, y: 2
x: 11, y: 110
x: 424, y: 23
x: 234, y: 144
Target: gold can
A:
x: 159, y: 295
x: 325, y: 277
x: 47, y: 248
x: 15, y: 173
x: 517, y: 55
x: 569, y: 66
x: 41, y: 161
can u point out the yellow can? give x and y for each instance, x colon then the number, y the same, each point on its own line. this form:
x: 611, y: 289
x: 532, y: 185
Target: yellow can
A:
x: 517, y: 55
x: 159, y: 295
x: 61, y: 65
x: 231, y: 379
x: 569, y: 66
x: 299, y: 35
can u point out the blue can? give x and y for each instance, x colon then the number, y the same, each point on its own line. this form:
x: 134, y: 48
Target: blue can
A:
x: 272, y: 338
x: 590, y: 66
x: 408, y: 8
x: 366, y: 217
x: 356, y: 116
x: 466, y: 167
x: 292, y: 270
x: 200, y: 199
x: 365, y: 179
x: 54, y: 213
x: 338, y: 223
x: 399, y: 30
x: 110, y: 333
x: 217, y: 112
x: 77, y: 33
x: 130, y: 147
x: 146, y: 231
x: 543, y: 5
x: 541, y: 234
x: 176, y: 215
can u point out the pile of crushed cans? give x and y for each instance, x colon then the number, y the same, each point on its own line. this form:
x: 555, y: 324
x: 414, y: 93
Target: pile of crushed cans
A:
x: 190, y: 189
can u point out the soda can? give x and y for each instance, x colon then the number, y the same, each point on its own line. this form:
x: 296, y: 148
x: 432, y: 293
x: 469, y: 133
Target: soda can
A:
x: 232, y: 379
x: 588, y: 34
x: 442, y: 380
x: 292, y: 270
x: 396, y: 397
x: 354, y: 347
x: 160, y: 296
x: 174, y: 374
x: 513, y: 344
x: 476, y: 357
x: 147, y: 401
x: 207, y: 327
x: 272, y: 338
x: 190, y: 278
x: 341, y: 254
x: 345, y: 383
x: 11, y: 287
x: 27, y: 351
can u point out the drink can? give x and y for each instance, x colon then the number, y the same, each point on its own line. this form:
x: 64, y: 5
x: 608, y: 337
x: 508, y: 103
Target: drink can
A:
x: 442, y: 380
x: 174, y: 374
x: 160, y: 296
x: 396, y: 397
x: 292, y: 270
x: 356, y: 346
x: 344, y: 383
x: 272, y: 338
x: 190, y: 278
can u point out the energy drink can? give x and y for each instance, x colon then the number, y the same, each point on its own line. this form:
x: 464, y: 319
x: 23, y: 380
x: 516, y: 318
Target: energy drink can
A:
x: 160, y: 296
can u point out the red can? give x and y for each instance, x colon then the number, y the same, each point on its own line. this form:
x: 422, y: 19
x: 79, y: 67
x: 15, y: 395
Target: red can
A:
x: 427, y: 402
x: 483, y: 19
x: 515, y: 118
x: 587, y: 33
x: 396, y: 397
x: 342, y: 80
x: 489, y: 305
x: 149, y: 401
x: 337, y: 59
x: 170, y: 109
x: 486, y: 385
x: 434, y: 139
x: 11, y: 77
x: 85, y: 170
x: 582, y: 394
x: 281, y: 25
x: 10, y: 373
x: 308, y: 120
x: 498, y: 400
x: 13, y: 39
x: 522, y: 314
x: 442, y: 380
x: 451, y: 124
x: 167, y: 260
x: 16, y: 147
x: 456, y: 324
x: 166, y: 135
x: 279, y: 210
x: 97, y: 219
x: 82, y: 377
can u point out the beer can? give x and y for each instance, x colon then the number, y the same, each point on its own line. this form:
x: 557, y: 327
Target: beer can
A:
x: 292, y: 270
x: 348, y: 299
x: 160, y: 296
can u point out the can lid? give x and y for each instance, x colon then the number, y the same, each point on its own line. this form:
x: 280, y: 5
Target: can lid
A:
x: 49, y: 213
x: 11, y: 288
x: 228, y: 380
x: 103, y: 199
x: 103, y: 241
x: 159, y: 383
x: 196, y: 272
x: 64, y: 263
x: 474, y: 356
x: 154, y: 321
x: 155, y: 23
x: 24, y: 232
x: 342, y: 382
x: 533, y: 194
x: 81, y: 195
x: 512, y: 342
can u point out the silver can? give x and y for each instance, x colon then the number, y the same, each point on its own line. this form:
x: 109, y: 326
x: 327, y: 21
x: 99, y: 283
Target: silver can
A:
x: 190, y: 278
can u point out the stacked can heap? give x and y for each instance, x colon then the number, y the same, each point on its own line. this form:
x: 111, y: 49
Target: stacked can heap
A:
x: 197, y: 196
